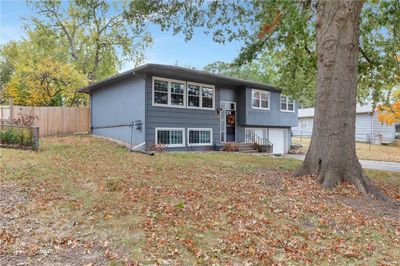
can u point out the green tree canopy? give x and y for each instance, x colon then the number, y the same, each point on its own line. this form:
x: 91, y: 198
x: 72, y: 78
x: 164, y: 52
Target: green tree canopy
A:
x: 97, y: 34
x: 285, y: 30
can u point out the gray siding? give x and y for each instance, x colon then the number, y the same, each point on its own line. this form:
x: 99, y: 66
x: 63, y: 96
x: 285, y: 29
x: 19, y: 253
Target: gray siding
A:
x: 304, y: 127
x: 367, y: 128
x: 170, y: 117
x: 273, y: 117
x: 115, y: 106
x: 158, y: 116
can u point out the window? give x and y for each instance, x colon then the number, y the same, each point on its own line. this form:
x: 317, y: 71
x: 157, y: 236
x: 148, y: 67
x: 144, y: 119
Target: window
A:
x: 200, y: 136
x: 207, y: 97
x: 173, y: 93
x: 287, y: 104
x: 171, y: 137
x: 177, y: 93
x: 167, y: 92
x: 200, y: 96
x: 194, y: 95
x: 304, y: 123
x: 160, y: 91
x: 260, y: 99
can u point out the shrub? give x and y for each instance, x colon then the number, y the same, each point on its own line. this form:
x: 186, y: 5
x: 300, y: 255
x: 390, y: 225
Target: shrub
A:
x: 157, y: 148
x: 9, y: 136
x: 17, y: 136
x: 26, y: 136
x: 230, y: 147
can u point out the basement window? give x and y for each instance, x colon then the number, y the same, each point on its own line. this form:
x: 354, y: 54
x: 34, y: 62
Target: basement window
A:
x: 170, y: 137
x: 200, y: 136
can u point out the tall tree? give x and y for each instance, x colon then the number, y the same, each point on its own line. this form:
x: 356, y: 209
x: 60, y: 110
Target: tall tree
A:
x: 332, y: 153
x: 97, y: 34
x: 37, y: 71
x: 310, y: 36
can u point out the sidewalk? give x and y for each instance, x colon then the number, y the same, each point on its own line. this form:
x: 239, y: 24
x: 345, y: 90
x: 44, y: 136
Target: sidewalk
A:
x: 377, y: 165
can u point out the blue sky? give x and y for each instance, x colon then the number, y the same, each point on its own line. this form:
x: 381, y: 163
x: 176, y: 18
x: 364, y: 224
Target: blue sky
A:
x: 166, y: 48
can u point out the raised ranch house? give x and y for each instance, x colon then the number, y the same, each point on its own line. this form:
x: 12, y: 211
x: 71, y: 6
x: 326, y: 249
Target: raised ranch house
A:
x: 368, y: 127
x: 187, y: 109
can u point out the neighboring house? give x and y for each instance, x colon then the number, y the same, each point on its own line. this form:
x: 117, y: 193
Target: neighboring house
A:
x: 368, y: 127
x: 186, y: 109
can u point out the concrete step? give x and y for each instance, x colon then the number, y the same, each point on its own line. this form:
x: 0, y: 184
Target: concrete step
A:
x: 248, y: 151
x: 245, y: 144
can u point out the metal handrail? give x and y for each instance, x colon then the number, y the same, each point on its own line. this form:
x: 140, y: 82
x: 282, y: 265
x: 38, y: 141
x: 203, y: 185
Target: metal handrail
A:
x: 254, y: 138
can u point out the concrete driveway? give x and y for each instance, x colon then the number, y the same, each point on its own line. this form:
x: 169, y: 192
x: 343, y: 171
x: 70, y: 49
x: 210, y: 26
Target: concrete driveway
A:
x: 377, y: 165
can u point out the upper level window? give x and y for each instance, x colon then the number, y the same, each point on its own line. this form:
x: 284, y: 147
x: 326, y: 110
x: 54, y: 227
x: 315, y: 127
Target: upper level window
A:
x: 207, y: 97
x: 168, y: 92
x: 287, y: 103
x: 175, y: 93
x: 260, y: 99
x: 194, y: 95
x: 200, y: 96
x: 160, y: 91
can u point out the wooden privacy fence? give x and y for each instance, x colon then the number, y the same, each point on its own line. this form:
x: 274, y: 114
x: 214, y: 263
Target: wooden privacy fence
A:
x: 56, y: 121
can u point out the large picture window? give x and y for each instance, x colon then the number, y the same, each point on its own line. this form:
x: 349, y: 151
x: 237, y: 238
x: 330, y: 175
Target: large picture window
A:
x: 175, y: 93
x: 260, y: 99
x: 287, y: 103
x: 200, y: 136
x: 200, y: 96
x: 168, y: 92
x: 171, y: 137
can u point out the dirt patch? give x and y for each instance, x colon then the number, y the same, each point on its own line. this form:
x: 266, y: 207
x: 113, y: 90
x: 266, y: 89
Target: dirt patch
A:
x: 375, y: 208
x: 27, y: 240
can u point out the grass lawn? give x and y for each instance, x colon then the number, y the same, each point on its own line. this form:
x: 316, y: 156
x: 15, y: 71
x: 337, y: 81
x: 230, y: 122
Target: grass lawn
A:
x: 86, y: 201
x: 389, y: 153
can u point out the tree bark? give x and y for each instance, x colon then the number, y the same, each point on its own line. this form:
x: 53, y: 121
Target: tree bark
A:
x: 332, y: 153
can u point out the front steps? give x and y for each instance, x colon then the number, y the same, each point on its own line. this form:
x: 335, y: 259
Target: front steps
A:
x: 247, y: 147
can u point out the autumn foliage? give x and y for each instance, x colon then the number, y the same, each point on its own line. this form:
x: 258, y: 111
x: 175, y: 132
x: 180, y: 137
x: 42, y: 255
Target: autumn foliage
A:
x: 46, y: 82
x: 390, y: 113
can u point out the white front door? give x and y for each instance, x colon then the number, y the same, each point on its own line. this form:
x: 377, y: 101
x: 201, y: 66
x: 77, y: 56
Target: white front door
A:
x: 278, y: 137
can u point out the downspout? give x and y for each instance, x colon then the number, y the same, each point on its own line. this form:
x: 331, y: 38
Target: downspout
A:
x: 91, y: 115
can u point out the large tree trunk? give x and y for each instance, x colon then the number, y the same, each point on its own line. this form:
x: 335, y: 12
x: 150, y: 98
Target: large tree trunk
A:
x: 332, y: 153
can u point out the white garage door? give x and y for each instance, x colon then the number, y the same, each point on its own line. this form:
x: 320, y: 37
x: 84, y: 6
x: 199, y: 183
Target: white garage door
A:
x: 278, y: 137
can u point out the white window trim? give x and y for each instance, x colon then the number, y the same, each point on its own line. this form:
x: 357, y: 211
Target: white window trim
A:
x: 169, y: 92
x: 261, y: 108
x: 287, y: 105
x: 200, y: 129
x: 201, y: 96
x: 170, y: 129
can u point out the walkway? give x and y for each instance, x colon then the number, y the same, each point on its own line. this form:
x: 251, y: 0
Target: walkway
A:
x: 377, y: 165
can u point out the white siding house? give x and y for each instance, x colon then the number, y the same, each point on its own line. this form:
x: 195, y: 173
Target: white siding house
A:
x: 368, y: 127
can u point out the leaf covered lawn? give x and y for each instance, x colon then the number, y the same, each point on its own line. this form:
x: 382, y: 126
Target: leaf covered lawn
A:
x: 82, y: 200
